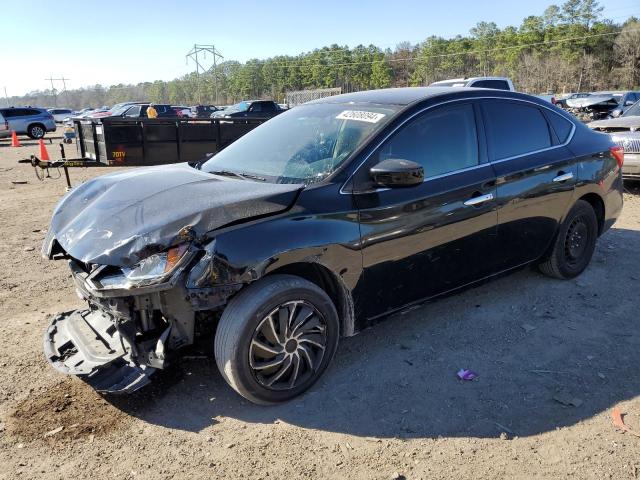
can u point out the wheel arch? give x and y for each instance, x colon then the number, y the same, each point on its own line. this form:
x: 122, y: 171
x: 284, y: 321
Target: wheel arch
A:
x: 597, y: 203
x: 36, y: 123
x: 332, y: 285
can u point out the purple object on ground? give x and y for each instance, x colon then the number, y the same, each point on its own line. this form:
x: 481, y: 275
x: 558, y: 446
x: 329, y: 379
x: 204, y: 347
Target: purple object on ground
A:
x: 466, y: 374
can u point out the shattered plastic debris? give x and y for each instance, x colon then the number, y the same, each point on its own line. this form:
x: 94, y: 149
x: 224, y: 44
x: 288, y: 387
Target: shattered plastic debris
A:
x: 466, y: 374
x: 618, y: 422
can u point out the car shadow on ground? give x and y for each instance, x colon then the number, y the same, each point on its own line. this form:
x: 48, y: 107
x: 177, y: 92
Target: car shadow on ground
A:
x: 534, y: 342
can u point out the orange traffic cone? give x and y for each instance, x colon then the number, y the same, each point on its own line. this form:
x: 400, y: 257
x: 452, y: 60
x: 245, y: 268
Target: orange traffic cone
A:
x: 14, y: 139
x: 44, y: 155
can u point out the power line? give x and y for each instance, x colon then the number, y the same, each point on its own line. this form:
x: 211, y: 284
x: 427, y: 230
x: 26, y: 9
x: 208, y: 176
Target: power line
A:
x: 193, y: 55
x: 470, y: 52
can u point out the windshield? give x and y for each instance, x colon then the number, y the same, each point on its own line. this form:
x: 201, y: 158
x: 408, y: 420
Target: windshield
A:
x: 303, y: 145
x: 238, y: 107
x: 633, y: 110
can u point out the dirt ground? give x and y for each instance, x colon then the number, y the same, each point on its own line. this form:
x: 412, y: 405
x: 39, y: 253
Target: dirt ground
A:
x: 389, y: 407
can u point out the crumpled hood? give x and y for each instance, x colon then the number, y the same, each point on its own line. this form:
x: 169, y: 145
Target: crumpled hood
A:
x: 588, y: 101
x: 620, y: 122
x: 120, y: 218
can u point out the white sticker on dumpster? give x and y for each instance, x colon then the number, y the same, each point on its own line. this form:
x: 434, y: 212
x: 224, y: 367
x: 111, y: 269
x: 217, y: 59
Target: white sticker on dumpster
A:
x: 361, y: 116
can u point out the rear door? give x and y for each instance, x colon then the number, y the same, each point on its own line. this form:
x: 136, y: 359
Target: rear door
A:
x: 535, y: 175
x: 424, y: 240
x: 16, y: 118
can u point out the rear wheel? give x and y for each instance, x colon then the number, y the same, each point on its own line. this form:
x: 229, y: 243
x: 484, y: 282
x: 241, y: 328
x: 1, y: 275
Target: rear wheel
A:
x: 276, y: 338
x: 575, y: 244
x: 36, y: 131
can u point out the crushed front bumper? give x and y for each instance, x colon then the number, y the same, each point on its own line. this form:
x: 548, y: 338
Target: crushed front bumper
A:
x: 90, y: 345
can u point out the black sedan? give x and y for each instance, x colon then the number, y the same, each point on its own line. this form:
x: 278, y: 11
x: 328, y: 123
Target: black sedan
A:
x: 317, y: 224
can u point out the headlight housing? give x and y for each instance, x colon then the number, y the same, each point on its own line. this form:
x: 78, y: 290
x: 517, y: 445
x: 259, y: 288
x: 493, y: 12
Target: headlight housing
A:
x: 152, y: 270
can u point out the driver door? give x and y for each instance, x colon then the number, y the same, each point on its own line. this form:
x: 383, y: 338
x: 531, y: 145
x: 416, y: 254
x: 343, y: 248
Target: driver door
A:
x: 421, y: 241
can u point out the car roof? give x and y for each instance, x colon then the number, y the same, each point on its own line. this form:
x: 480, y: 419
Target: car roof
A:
x: 408, y: 95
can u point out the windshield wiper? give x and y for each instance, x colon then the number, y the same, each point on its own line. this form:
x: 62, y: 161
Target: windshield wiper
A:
x: 244, y: 176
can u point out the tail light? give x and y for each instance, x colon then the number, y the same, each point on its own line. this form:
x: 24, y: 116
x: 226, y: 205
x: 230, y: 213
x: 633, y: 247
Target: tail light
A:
x: 617, y: 153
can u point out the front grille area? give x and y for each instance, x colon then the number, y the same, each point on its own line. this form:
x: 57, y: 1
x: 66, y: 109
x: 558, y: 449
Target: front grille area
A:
x: 630, y: 144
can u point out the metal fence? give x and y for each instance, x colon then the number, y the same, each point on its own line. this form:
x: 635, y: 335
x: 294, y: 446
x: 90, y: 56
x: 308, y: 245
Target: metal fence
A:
x: 302, y: 96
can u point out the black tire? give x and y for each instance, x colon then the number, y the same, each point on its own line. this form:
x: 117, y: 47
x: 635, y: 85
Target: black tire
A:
x: 574, y: 245
x: 242, y: 349
x: 36, y: 131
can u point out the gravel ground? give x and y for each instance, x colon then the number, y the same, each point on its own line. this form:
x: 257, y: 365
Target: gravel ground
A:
x: 389, y: 407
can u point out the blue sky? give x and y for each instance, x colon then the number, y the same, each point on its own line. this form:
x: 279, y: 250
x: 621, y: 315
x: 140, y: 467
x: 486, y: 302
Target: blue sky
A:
x: 116, y: 41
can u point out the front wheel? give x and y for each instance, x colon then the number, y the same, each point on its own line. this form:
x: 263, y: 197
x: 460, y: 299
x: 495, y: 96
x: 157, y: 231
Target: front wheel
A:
x: 276, y: 338
x: 575, y: 244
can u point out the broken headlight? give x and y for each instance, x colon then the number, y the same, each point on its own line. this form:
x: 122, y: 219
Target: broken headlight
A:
x: 152, y: 270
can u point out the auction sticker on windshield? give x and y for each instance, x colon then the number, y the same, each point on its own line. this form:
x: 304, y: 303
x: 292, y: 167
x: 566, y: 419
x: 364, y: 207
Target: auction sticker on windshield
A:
x: 361, y: 116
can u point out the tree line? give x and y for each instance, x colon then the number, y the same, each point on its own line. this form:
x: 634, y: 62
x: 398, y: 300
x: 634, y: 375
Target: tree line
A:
x: 568, y: 48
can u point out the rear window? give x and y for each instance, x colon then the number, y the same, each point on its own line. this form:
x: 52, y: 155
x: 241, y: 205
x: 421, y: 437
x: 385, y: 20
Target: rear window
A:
x: 495, y: 84
x: 560, y: 125
x: 514, y: 128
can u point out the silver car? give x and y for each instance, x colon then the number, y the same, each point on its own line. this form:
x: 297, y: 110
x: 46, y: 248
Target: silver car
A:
x: 31, y: 121
x: 625, y: 132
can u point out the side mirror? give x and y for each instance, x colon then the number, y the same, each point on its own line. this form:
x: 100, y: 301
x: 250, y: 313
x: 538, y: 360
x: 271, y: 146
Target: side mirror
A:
x: 396, y: 172
x: 628, y: 103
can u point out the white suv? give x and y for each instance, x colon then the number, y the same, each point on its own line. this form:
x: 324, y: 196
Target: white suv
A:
x: 498, y: 83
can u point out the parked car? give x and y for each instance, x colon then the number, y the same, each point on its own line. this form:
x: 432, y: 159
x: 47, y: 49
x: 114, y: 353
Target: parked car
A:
x: 600, y: 105
x: 250, y: 108
x: 113, y: 111
x: 59, y: 114
x: 140, y: 110
x: 203, y: 111
x: 318, y: 223
x: 34, y: 122
x: 562, y: 101
x: 498, y: 83
x: 625, y: 101
x: 181, y: 111
x: 5, y: 131
x: 625, y: 132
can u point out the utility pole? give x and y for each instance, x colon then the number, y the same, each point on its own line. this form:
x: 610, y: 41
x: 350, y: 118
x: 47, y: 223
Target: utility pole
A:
x: 6, y: 97
x: 53, y: 88
x: 193, y: 55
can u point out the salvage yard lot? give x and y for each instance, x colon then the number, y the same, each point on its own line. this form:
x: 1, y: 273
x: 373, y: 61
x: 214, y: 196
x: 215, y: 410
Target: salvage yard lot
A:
x: 553, y: 359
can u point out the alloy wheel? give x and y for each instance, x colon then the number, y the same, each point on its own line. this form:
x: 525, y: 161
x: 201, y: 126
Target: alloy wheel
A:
x: 288, y: 345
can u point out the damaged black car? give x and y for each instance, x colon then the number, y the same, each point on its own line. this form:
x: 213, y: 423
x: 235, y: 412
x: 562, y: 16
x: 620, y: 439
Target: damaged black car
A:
x: 318, y: 223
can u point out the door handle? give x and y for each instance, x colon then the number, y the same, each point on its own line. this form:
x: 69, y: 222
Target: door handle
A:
x: 563, y: 177
x: 473, y: 201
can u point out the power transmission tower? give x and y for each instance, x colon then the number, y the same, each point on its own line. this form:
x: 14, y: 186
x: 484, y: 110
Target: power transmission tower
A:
x: 202, y: 50
x: 53, y: 88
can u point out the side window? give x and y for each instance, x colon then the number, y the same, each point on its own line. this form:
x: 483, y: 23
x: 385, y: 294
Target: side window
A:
x: 495, y: 84
x: 514, y: 128
x: 441, y: 140
x: 268, y: 107
x: 133, y: 111
x: 560, y: 125
x: 30, y: 111
x: 256, y: 107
